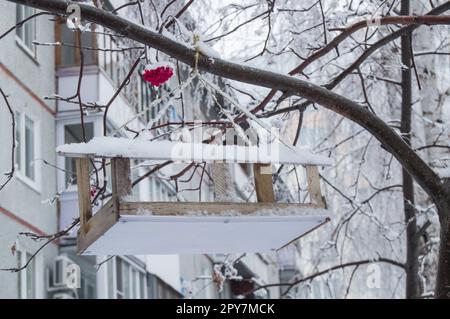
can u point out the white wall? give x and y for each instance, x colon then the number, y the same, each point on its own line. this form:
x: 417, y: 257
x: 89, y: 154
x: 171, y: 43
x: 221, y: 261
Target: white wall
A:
x: 23, y: 206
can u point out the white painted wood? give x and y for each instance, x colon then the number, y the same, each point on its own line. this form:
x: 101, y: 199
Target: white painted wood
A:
x: 136, y: 235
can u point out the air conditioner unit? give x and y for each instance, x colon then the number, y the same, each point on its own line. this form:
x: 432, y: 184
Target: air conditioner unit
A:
x: 57, y: 277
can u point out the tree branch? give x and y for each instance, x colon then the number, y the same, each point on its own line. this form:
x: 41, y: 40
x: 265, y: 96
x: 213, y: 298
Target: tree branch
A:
x: 9, y: 175
x: 291, y: 285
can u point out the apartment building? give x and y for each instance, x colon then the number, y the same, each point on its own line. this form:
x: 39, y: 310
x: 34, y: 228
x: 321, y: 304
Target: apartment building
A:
x: 24, y: 205
x: 43, y: 199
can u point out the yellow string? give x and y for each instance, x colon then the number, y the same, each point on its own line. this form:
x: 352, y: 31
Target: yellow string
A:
x: 197, y: 52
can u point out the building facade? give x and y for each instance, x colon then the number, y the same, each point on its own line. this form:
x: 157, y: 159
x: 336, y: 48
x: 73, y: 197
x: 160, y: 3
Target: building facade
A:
x: 24, y: 202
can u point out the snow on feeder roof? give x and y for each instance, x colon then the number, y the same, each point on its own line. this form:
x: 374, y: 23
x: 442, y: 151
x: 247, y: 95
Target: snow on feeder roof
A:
x: 178, y: 151
x: 125, y: 227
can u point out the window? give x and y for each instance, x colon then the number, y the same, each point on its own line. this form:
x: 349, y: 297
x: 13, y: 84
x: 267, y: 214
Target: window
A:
x: 116, y: 64
x: 160, y: 192
x: 73, y: 133
x: 128, y: 280
x: 69, y: 55
x: 25, y: 146
x: 26, y: 278
x: 18, y: 155
x: 158, y: 289
x: 134, y: 175
x: 146, y: 95
x: 27, y: 32
x: 29, y: 148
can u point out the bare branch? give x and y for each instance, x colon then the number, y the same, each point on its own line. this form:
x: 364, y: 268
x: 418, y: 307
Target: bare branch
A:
x: 9, y: 175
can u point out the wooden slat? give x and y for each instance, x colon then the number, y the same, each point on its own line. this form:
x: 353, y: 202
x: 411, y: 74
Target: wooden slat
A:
x: 99, y: 224
x: 191, y: 209
x: 314, y: 191
x: 84, y: 191
x: 263, y: 183
x: 121, y: 176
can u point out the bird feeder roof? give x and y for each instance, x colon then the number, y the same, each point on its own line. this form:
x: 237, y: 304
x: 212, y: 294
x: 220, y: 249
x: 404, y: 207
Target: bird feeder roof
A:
x: 109, y: 147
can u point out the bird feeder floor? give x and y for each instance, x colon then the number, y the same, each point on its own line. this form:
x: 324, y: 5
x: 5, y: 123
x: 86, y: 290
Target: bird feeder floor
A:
x: 194, y: 228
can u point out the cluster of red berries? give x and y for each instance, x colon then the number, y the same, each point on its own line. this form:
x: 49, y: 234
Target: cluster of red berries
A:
x: 158, y: 75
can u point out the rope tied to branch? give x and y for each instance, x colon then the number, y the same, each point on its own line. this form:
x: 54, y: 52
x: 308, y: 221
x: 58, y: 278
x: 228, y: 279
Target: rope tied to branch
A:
x: 196, y: 40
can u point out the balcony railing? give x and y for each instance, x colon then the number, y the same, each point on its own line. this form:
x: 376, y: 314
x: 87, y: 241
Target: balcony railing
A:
x: 99, y: 49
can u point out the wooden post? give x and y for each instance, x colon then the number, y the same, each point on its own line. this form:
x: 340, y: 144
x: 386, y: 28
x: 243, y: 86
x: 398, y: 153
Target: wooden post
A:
x: 120, y: 179
x: 263, y: 183
x: 84, y: 191
x: 315, y: 194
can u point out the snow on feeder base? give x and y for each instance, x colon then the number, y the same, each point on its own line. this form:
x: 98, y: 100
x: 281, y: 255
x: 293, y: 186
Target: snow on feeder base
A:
x: 125, y: 227
x: 137, y: 235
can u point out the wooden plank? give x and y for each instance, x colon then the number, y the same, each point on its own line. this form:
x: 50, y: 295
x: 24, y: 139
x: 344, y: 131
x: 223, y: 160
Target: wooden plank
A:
x: 263, y: 183
x: 84, y: 191
x: 314, y: 191
x: 98, y: 225
x: 220, y: 209
x: 121, y: 177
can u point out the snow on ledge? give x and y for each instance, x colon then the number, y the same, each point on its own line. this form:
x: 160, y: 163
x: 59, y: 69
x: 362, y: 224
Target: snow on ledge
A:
x: 177, y: 151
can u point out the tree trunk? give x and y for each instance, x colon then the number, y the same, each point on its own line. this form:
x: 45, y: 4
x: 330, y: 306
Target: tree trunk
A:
x: 412, y: 242
x: 442, y: 289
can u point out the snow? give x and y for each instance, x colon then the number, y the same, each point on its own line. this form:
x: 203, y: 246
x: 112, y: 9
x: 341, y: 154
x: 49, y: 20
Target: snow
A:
x: 155, y: 65
x: 57, y: 43
x: 208, y: 51
x: 135, y: 235
x: 274, y: 153
x: 204, y: 48
x: 172, y: 37
x: 265, y: 212
x: 444, y: 172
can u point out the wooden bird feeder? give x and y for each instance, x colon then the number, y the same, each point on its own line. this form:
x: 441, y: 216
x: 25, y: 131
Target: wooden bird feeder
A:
x: 125, y: 227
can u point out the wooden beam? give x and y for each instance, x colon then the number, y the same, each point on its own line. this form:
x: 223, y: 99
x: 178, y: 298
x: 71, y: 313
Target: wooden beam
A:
x: 314, y: 191
x: 98, y: 225
x: 84, y: 191
x: 216, y: 208
x: 263, y: 183
x: 121, y: 177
